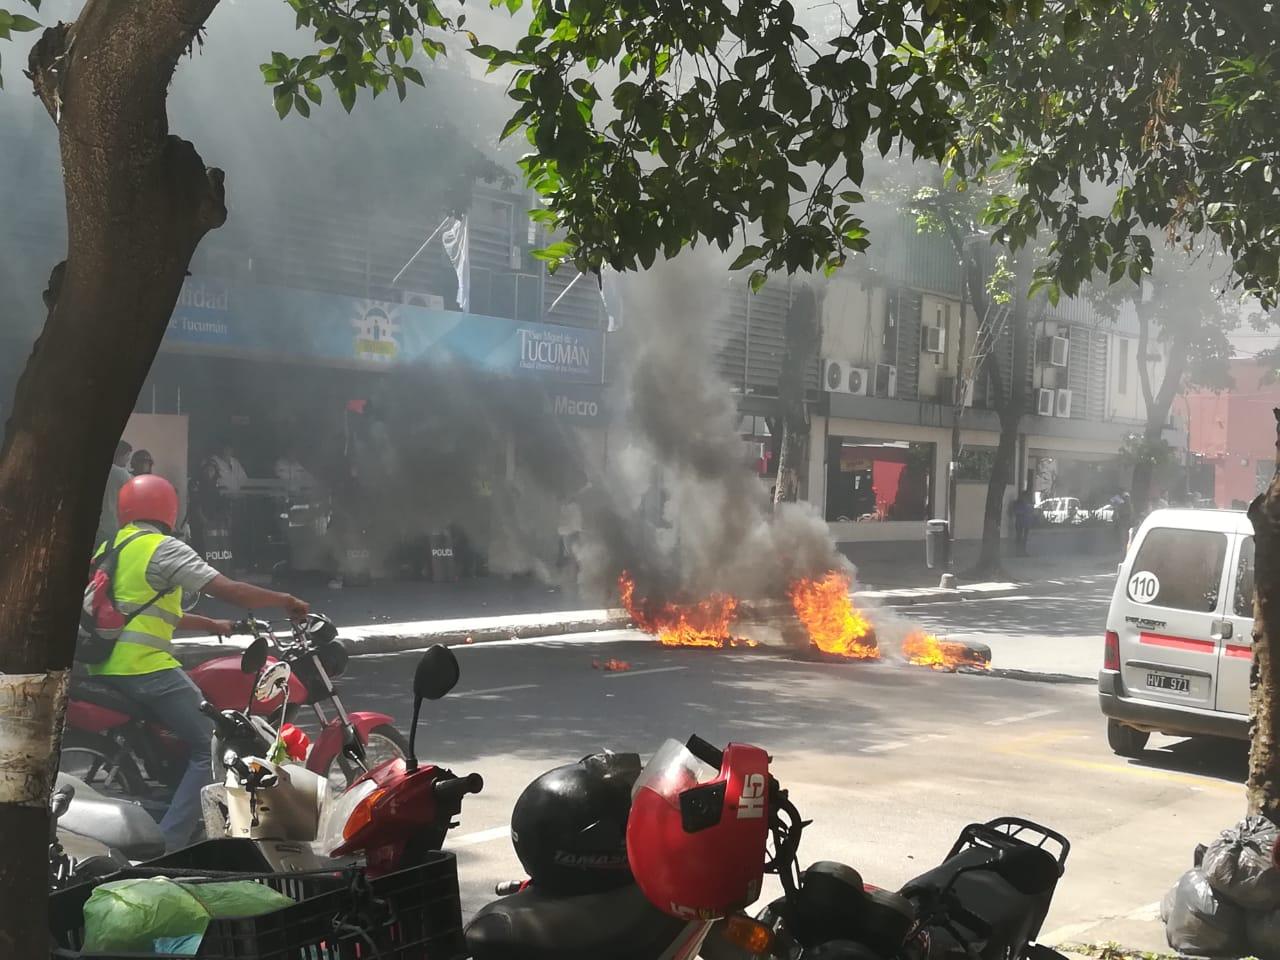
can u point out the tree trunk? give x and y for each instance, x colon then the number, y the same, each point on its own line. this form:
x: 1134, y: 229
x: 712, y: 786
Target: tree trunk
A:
x: 802, y: 334
x: 138, y: 203
x: 1001, y: 469
x: 1263, y: 789
x: 1013, y: 405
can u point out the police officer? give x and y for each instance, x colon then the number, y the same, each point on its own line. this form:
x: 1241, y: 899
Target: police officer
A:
x: 152, y: 571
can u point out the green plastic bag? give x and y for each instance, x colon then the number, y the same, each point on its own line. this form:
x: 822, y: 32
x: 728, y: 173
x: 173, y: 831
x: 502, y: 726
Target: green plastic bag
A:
x: 130, y: 915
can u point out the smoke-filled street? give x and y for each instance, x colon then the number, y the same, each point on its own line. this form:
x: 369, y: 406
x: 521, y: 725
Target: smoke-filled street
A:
x: 889, y: 761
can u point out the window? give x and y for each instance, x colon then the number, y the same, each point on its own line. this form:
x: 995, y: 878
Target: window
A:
x: 877, y: 480
x: 1242, y: 603
x: 1122, y: 375
x: 1186, y: 566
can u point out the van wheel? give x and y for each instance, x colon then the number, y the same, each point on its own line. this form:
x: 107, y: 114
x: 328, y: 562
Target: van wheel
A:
x: 1125, y: 740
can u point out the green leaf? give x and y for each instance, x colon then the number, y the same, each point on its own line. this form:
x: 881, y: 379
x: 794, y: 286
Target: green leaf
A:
x: 406, y: 47
x: 750, y: 254
x: 21, y: 24
x: 347, y: 95
x: 300, y: 104
x: 284, y: 103
x: 313, y: 92
x: 757, y: 280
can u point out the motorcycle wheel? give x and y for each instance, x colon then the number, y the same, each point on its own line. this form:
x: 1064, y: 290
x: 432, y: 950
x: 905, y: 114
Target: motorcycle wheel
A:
x: 383, y: 743
x: 102, y: 764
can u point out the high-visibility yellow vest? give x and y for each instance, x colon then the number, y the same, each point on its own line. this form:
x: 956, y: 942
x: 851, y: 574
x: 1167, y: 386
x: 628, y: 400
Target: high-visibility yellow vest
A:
x: 145, y: 645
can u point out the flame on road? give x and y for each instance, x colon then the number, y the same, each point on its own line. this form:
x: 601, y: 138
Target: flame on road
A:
x: 835, y: 626
x: 705, y: 623
x: 926, y: 650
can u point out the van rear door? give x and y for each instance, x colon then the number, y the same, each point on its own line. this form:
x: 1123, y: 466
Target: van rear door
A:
x: 1171, y: 596
x: 1235, y: 658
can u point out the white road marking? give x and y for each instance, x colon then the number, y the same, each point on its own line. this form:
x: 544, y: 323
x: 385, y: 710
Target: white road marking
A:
x: 485, y: 693
x: 886, y: 747
x: 480, y: 836
x: 1033, y: 715
x: 618, y: 674
x: 899, y: 744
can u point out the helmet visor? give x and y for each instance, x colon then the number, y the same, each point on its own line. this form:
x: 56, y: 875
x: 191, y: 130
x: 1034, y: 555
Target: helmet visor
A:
x: 672, y: 771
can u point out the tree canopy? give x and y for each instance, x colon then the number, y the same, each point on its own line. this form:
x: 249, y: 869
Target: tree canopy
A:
x: 655, y: 124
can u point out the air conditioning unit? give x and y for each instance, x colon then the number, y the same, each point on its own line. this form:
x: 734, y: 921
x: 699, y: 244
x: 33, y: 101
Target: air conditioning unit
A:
x: 935, y: 339
x: 1062, y: 404
x: 859, y: 381
x: 1045, y: 401
x: 1053, y: 351
x: 886, y: 380
x: 840, y: 377
x: 414, y: 298
x: 835, y: 376
x: 947, y: 391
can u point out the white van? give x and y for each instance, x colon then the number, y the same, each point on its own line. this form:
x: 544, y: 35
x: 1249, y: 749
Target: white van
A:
x: 1179, y: 633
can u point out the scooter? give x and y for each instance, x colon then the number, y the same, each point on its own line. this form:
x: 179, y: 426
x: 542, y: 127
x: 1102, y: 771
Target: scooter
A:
x: 391, y: 817
x: 110, y: 740
x: 91, y: 836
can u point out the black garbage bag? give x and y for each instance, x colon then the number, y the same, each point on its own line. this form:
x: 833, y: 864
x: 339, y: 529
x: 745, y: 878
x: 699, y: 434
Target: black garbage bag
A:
x: 1264, y: 934
x: 1238, y: 865
x: 1198, y: 923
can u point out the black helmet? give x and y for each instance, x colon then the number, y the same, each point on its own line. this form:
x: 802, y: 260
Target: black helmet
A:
x: 569, y: 826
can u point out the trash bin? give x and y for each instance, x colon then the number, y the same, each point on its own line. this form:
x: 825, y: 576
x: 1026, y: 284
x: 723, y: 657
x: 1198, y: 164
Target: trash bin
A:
x: 937, y: 544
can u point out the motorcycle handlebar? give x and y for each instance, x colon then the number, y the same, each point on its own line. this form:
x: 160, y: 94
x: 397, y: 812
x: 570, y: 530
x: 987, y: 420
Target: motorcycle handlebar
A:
x: 454, y: 789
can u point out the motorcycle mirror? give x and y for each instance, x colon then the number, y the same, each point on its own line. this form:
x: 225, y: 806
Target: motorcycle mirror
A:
x: 254, y: 657
x: 1029, y: 870
x: 437, y: 673
x: 190, y: 599
x: 272, y: 681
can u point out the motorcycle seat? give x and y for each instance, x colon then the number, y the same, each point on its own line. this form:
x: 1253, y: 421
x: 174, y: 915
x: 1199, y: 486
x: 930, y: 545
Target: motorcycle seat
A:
x: 104, y: 695
x: 619, y: 924
x: 1010, y: 916
x: 117, y: 824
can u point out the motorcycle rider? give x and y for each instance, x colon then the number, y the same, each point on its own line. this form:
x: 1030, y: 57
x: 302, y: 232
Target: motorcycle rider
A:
x: 152, y: 571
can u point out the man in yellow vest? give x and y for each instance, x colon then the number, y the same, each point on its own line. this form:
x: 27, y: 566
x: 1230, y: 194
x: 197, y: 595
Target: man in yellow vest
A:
x: 152, y: 570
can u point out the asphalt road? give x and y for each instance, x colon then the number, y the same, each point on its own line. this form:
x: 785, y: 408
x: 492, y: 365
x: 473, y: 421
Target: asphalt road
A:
x: 889, y: 761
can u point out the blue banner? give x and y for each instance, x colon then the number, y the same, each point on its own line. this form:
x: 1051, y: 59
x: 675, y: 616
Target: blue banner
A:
x: 263, y: 321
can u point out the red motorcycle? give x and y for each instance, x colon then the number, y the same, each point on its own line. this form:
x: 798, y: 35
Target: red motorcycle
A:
x: 392, y: 817
x: 112, y: 744
x: 400, y: 810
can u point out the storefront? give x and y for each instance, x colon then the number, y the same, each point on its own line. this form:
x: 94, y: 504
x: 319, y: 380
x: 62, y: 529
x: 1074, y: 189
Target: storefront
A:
x: 369, y: 438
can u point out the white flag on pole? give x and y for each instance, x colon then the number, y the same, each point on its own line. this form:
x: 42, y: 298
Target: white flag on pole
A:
x: 455, y: 238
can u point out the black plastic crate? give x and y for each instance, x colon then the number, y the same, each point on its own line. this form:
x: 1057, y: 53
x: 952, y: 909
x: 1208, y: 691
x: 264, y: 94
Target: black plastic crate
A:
x: 415, y: 914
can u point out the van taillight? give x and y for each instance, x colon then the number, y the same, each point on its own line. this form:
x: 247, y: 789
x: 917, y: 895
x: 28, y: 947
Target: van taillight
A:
x: 1111, y: 651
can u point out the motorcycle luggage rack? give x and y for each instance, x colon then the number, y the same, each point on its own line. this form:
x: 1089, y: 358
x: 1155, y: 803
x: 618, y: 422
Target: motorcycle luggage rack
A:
x: 339, y: 915
x: 1006, y: 833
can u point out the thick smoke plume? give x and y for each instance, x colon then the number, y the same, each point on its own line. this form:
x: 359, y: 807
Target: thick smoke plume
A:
x: 680, y: 508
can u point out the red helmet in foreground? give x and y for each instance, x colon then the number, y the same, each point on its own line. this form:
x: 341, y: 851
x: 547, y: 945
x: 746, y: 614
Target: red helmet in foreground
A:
x: 698, y: 825
x: 148, y: 498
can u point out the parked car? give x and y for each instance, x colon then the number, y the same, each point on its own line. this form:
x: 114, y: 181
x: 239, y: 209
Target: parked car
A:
x: 1179, y: 632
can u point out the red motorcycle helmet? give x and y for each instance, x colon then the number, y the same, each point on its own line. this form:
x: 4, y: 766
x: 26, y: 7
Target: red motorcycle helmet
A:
x: 698, y: 825
x: 148, y: 497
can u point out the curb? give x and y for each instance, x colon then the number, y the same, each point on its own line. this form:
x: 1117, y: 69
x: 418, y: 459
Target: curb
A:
x: 373, y: 639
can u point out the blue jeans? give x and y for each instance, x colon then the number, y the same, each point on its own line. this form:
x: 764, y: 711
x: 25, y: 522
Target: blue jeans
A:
x: 172, y: 699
